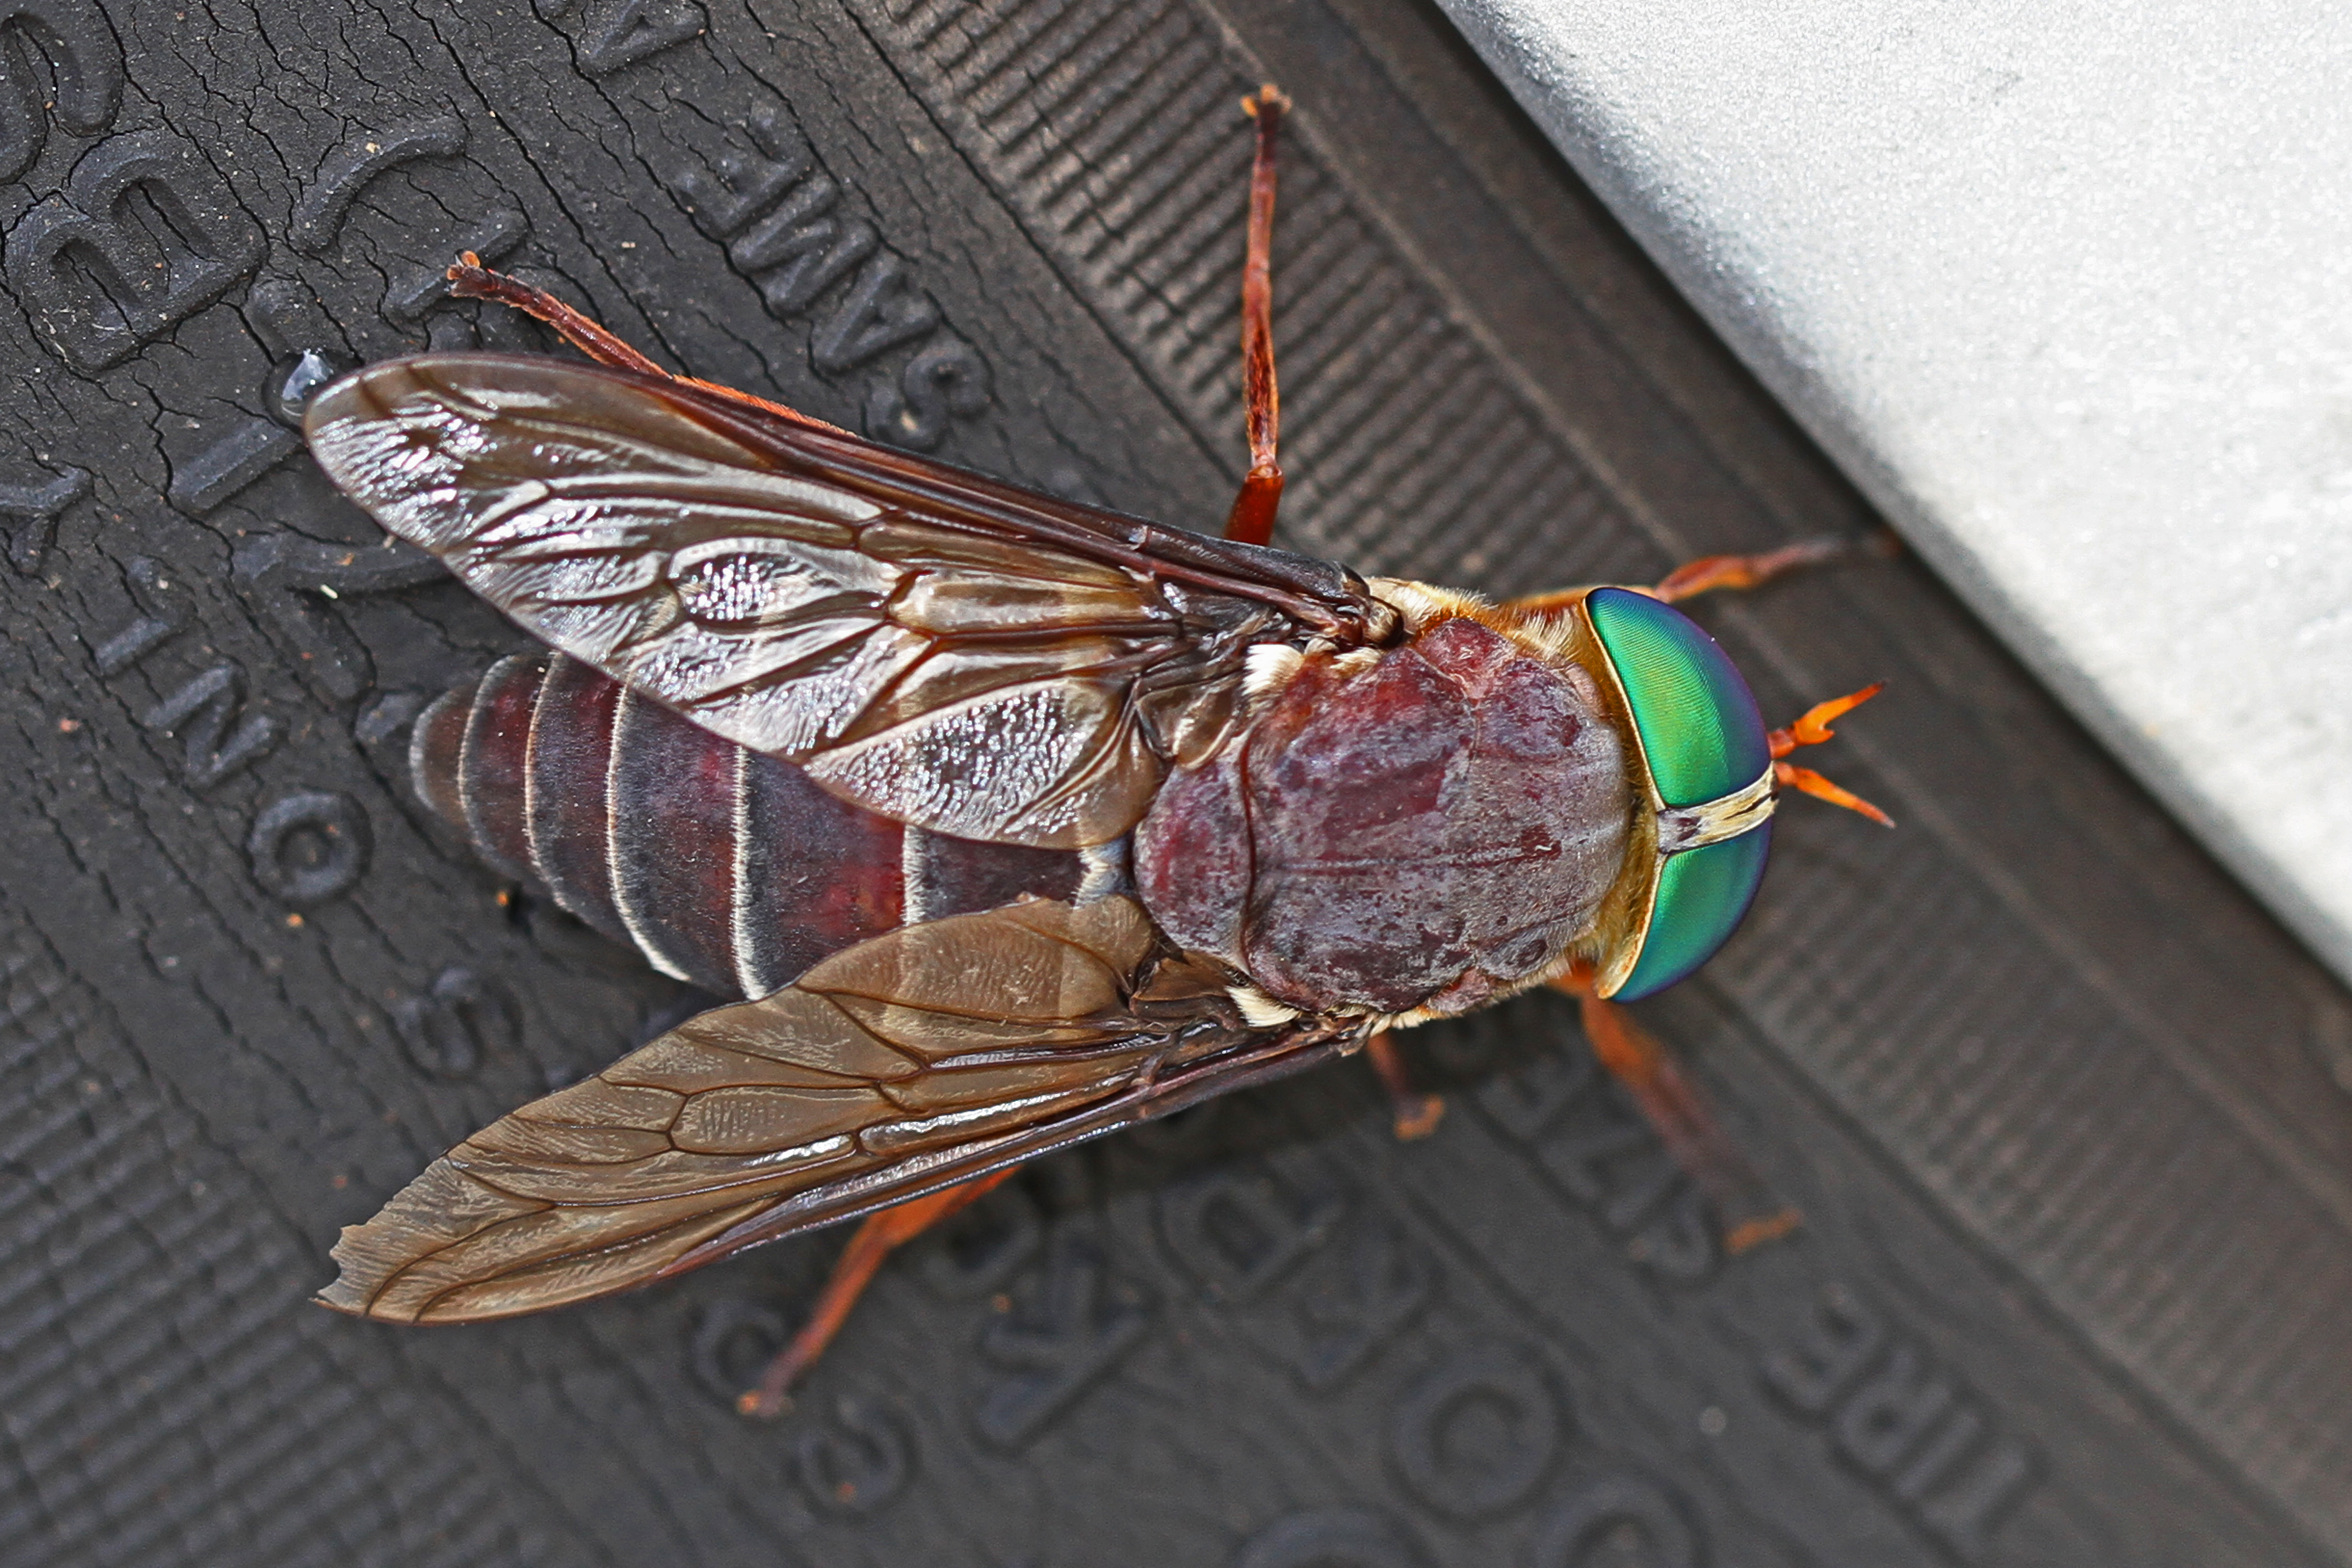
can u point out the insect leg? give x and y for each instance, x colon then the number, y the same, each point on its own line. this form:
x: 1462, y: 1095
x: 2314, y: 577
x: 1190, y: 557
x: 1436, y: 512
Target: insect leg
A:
x: 875, y: 1239
x: 1710, y: 574
x: 469, y: 279
x: 1252, y: 519
x: 1417, y: 1114
x: 1750, y: 1213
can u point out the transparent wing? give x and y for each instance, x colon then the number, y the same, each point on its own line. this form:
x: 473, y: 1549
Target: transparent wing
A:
x: 897, y: 1067
x: 936, y: 647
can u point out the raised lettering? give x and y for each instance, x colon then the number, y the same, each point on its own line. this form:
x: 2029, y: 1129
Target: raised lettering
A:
x: 855, y: 1459
x: 774, y: 210
x: 878, y: 313
x: 1619, y: 1518
x: 1074, y: 1323
x: 319, y: 213
x: 1841, y: 1339
x: 494, y: 237
x: 230, y: 464
x: 815, y: 257
x: 1360, y: 1293
x: 37, y: 508
x: 623, y: 32
x: 454, y: 1024
x: 1966, y: 1516
x: 1680, y: 1241
x: 978, y: 1252
x: 1909, y: 1431
x: 201, y: 713
x: 295, y: 576
x: 87, y: 65
x: 310, y: 847
x: 1936, y: 1458
x: 733, y: 1341
x: 101, y: 281
x: 160, y: 617
x: 947, y: 379
x: 1239, y: 1232
x: 1331, y: 1538
x: 1886, y: 1418
x: 1474, y: 1437
x: 1526, y: 1104
x: 737, y: 188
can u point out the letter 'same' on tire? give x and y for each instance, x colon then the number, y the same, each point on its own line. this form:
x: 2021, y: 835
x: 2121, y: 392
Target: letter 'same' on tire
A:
x: 2067, y: 1115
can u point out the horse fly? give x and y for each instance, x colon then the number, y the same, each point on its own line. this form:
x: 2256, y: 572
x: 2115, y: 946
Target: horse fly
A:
x: 1013, y: 821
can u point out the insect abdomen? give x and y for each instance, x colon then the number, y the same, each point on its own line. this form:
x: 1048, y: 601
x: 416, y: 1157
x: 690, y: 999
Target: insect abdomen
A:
x: 724, y: 867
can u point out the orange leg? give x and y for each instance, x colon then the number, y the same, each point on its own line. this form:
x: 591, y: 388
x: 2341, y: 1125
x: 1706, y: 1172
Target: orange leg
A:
x: 1750, y: 1213
x: 1709, y: 573
x: 1417, y: 1114
x: 1252, y: 519
x: 881, y: 1234
x: 469, y: 279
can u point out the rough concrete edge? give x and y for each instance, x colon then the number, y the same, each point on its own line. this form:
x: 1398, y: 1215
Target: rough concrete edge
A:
x: 1577, y: 122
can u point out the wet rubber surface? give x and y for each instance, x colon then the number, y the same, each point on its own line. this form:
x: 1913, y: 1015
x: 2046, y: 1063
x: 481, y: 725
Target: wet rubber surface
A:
x: 2061, y: 1106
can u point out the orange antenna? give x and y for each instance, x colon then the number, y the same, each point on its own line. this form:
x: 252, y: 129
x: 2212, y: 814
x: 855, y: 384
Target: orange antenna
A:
x: 1811, y: 729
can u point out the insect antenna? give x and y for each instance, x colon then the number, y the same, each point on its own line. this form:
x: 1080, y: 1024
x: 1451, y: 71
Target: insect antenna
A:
x: 1811, y: 729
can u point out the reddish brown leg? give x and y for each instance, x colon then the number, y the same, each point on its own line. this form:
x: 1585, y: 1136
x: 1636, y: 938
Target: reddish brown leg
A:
x: 875, y: 1239
x: 1749, y: 1212
x: 1417, y: 1114
x: 1710, y: 574
x: 469, y: 279
x: 1252, y: 519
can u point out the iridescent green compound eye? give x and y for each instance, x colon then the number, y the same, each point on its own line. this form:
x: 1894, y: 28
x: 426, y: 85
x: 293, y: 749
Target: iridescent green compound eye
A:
x: 1703, y: 742
x: 1703, y: 895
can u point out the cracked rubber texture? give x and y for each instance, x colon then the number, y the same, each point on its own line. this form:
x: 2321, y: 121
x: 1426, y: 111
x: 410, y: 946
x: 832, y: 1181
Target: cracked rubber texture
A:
x: 2062, y: 1108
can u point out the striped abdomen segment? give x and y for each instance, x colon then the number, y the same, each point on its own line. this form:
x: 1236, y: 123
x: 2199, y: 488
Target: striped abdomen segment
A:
x: 722, y: 866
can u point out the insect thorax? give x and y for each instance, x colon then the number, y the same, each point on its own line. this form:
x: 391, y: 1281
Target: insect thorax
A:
x: 1426, y: 826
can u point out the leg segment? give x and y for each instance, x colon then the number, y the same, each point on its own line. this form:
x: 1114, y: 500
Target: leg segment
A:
x: 875, y: 1239
x: 1746, y: 1208
x: 1252, y: 519
x: 1709, y: 573
x: 469, y: 279
x: 1417, y: 1114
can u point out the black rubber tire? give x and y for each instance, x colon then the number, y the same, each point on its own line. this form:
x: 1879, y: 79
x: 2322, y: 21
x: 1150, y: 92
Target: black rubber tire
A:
x: 2066, y: 1114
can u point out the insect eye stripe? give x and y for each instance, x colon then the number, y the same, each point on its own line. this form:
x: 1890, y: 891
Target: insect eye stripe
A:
x: 1703, y: 895
x: 1700, y: 729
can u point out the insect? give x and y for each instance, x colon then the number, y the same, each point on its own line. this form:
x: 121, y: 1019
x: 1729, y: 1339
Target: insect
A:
x: 1014, y: 821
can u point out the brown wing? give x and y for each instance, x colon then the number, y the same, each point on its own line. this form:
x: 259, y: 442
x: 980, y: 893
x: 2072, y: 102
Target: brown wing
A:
x: 943, y: 648
x: 897, y: 1067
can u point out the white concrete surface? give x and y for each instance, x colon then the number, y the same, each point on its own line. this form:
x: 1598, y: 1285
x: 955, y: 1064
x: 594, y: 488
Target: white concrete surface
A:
x: 2067, y: 289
